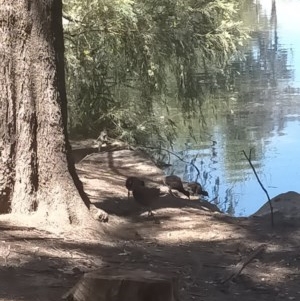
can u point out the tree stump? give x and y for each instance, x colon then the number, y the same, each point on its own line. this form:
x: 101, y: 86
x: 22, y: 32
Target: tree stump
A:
x: 112, y: 284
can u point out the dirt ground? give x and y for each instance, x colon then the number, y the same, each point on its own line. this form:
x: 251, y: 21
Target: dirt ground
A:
x: 185, y: 238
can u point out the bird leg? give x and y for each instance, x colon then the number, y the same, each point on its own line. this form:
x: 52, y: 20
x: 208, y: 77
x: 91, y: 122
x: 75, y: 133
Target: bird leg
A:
x: 150, y: 213
x: 172, y: 194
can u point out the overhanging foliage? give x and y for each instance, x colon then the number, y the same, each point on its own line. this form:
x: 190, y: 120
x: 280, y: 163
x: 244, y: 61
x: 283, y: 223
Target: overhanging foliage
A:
x: 126, y: 59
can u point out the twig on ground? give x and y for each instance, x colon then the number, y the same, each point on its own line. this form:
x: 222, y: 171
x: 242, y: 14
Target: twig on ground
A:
x: 261, y: 185
x: 241, y: 265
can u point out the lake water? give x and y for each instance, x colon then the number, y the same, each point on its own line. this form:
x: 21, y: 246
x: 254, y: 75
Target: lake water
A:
x: 263, y: 114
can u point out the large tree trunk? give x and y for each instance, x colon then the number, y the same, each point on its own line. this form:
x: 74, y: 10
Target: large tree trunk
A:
x: 37, y: 174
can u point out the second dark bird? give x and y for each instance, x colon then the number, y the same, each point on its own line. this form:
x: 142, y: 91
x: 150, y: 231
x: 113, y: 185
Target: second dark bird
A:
x: 175, y: 183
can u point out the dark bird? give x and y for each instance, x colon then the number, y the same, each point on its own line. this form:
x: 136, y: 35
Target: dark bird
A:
x: 174, y: 182
x: 145, y: 196
x: 196, y: 188
x: 133, y: 182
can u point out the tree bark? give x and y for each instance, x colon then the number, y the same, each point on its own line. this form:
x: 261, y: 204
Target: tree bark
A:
x: 37, y: 174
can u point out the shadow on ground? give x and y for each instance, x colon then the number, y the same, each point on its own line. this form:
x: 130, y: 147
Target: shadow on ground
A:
x: 199, y: 248
x: 202, y: 248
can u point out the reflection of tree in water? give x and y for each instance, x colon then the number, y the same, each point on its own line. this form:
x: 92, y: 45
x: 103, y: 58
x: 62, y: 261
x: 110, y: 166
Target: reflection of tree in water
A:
x: 256, y: 82
x: 266, y: 62
x: 273, y: 22
x: 254, y: 114
x: 230, y: 202
x: 254, y: 107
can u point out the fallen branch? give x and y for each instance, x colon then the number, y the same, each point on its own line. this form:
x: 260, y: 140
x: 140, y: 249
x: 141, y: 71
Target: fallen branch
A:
x: 261, y: 185
x: 241, y: 265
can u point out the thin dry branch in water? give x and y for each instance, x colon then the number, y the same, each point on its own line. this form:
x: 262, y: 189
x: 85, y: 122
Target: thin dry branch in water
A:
x: 261, y: 185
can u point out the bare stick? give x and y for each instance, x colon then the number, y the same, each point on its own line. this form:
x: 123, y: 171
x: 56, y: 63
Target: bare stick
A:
x: 241, y: 265
x: 261, y: 185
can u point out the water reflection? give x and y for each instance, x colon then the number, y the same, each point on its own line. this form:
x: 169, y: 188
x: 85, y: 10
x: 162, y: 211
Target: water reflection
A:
x: 263, y: 114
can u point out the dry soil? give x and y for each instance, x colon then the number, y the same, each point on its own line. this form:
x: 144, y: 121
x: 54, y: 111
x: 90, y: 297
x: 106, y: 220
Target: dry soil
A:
x: 204, y: 248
